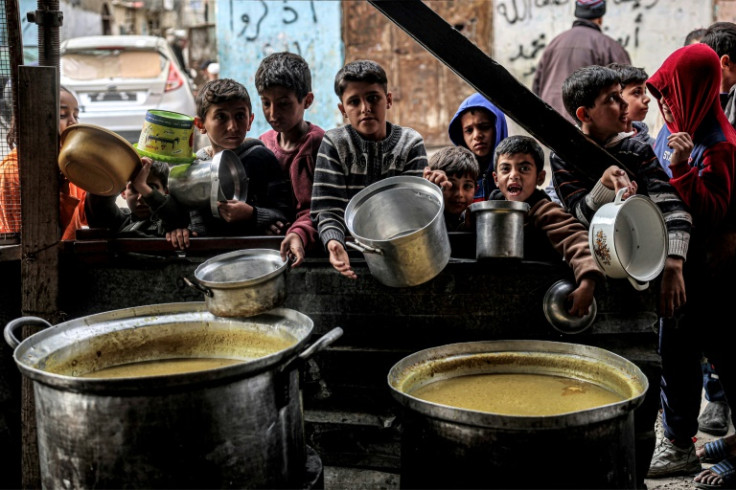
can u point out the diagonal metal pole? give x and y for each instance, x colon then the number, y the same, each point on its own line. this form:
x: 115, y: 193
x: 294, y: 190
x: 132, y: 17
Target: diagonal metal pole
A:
x: 498, y: 85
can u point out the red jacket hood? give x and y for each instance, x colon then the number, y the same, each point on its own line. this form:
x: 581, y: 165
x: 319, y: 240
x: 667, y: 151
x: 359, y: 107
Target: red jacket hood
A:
x: 689, y: 82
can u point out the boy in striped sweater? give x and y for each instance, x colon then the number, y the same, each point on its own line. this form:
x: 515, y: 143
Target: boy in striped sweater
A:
x: 360, y: 153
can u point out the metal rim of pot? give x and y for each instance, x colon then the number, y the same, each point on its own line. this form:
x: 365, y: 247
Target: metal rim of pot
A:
x: 372, y: 245
x: 499, y: 205
x: 433, y: 360
x: 222, y: 260
x: 31, y: 358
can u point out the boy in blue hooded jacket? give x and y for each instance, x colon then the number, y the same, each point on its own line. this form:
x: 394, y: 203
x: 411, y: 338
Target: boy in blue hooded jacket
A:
x: 479, y: 126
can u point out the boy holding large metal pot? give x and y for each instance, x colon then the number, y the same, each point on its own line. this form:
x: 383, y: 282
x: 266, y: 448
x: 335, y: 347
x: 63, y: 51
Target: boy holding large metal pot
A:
x: 592, y: 96
x: 364, y: 151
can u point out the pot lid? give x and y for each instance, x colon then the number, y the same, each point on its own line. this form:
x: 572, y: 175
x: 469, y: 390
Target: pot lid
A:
x: 97, y: 160
x: 556, y: 312
x: 240, y: 268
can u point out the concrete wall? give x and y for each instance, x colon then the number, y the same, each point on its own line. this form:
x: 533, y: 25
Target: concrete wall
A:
x: 247, y: 32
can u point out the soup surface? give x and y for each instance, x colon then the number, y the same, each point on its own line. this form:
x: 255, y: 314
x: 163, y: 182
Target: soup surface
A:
x: 160, y: 367
x: 517, y: 394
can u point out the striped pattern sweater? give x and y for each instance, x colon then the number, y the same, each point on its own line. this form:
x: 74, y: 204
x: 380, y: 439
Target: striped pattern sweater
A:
x: 347, y: 163
x: 583, y: 197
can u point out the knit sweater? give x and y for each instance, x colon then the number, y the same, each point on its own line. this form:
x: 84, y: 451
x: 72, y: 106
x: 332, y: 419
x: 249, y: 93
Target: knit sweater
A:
x: 583, y: 197
x: 347, y: 163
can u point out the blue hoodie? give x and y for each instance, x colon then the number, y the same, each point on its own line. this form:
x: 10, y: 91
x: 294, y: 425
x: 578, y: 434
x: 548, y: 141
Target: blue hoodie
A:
x: 485, y: 179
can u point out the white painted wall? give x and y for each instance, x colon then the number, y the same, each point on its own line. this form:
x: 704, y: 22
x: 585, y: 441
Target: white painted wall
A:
x: 649, y: 30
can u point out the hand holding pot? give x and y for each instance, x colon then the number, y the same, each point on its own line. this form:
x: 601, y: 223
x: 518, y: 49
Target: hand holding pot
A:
x: 438, y: 177
x: 616, y: 178
x: 582, y: 297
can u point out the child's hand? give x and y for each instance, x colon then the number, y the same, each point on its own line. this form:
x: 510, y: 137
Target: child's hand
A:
x: 682, y: 146
x: 582, y: 297
x: 179, y: 238
x: 140, y: 180
x: 672, y: 295
x: 234, y: 210
x: 616, y: 178
x: 278, y: 228
x: 438, y: 177
x: 292, y: 247
x: 340, y: 260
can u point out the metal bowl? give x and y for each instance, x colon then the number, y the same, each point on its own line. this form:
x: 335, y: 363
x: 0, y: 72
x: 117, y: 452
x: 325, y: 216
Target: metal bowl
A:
x: 555, y: 308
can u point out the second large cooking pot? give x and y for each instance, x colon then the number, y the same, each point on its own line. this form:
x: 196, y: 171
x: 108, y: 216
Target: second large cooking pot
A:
x: 399, y: 226
x: 237, y: 426
x: 444, y: 446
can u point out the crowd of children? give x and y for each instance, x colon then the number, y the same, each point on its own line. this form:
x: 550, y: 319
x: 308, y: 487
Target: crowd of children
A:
x: 300, y: 179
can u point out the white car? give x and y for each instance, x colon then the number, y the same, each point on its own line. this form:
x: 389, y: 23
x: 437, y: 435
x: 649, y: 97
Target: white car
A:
x: 118, y: 78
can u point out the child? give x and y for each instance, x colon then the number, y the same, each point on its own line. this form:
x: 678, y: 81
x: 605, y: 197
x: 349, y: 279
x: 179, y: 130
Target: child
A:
x: 461, y: 168
x: 284, y: 83
x: 721, y: 37
x: 592, y: 95
x: 479, y: 126
x: 150, y: 210
x: 549, y: 230
x: 361, y: 153
x: 634, y: 92
x: 71, y: 197
x: 699, y: 145
x: 225, y: 115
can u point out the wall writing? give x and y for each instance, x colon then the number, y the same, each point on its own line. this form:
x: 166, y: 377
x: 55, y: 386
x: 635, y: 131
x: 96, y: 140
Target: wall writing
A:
x: 649, y: 30
x: 248, y: 31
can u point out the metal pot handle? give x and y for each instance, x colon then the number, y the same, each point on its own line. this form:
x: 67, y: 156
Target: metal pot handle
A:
x: 10, y: 337
x: 619, y: 195
x: 362, y: 247
x: 318, y: 345
x: 202, y: 289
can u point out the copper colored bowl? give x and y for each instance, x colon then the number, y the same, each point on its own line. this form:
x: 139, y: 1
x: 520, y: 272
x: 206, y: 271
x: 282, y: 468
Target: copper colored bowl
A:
x: 97, y: 160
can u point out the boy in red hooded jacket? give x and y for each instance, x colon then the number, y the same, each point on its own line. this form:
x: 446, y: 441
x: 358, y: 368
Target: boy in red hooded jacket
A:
x: 698, y: 145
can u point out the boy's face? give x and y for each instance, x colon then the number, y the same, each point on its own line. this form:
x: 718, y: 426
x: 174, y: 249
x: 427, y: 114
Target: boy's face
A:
x: 281, y: 108
x: 135, y: 201
x: 68, y: 110
x: 479, y: 132
x: 226, y: 124
x: 365, y: 105
x: 516, y: 176
x: 635, y: 94
x: 460, y: 195
x: 607, y: 117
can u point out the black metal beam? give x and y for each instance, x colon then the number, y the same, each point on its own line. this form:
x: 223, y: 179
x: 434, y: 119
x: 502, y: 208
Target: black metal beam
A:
x: 498, y: 85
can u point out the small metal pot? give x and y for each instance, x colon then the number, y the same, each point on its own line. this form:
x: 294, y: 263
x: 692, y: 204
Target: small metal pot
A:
x: 555, y: 306
x: 242, y: 283
x: 399, y: 226
x: 499, y: 227
x: 202, y: 184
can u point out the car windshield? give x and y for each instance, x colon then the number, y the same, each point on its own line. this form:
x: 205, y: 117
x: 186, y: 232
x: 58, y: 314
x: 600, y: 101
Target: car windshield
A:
x: 95, y: 64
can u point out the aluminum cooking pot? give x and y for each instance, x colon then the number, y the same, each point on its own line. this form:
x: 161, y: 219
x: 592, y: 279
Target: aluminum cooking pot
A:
x: 237, y: 426
x: 242, y: 283
x: 443, y: 446
x: 399, y: 226
x: 203, y: 183
x: 628, y: 239
x: 499, y: 227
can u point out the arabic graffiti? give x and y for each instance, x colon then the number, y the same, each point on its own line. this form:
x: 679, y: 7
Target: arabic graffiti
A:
x: 518, y: 10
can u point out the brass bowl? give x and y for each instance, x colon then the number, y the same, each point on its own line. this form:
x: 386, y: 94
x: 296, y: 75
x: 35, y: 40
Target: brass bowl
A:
x: 97, y: 160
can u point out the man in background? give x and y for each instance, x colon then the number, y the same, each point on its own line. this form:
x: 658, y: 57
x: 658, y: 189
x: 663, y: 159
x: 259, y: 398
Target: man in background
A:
x: 582, y: 45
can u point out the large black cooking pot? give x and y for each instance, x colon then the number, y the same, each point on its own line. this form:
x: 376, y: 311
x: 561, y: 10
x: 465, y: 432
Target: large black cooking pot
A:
x: 449, y: 447
x: 238, y: 426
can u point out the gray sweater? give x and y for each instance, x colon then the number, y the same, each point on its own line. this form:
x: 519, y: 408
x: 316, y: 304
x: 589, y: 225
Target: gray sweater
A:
x: 347, y: 163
